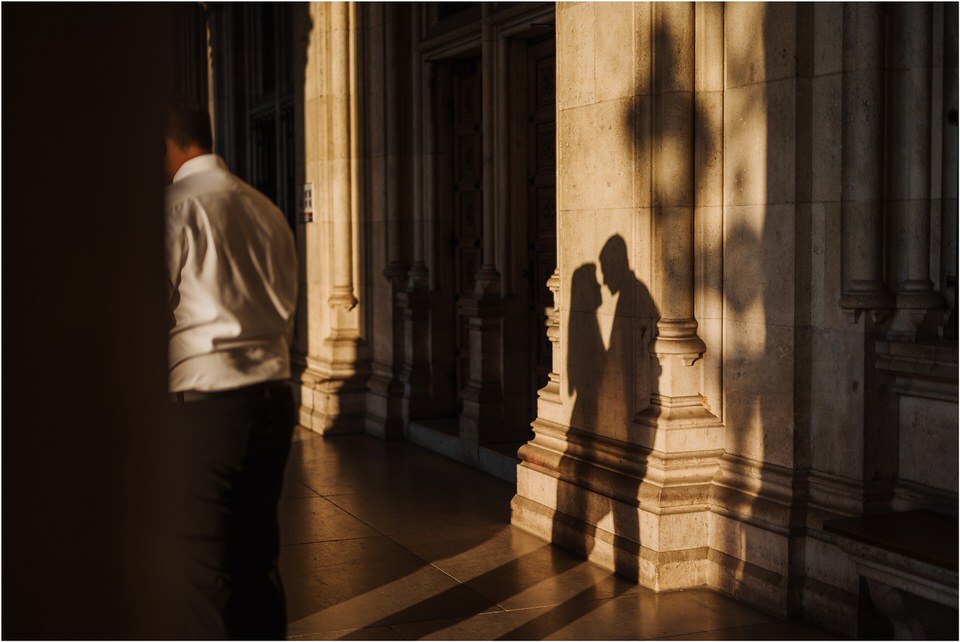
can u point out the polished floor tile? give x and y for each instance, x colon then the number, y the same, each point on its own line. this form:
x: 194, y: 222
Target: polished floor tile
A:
x: 385, y: 540
x: 369, y: 633
x: 437, y: 512
x: 643, y: 615
x: 315, y: 519
x: 779, y: 630
x: 423, y: 595
x: 516, y: 570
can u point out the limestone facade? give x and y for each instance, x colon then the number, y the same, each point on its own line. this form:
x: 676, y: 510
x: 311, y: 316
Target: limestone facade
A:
x: 707, y: 251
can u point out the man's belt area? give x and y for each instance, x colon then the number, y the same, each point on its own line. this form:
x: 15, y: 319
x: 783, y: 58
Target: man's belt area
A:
x: 266, y: 387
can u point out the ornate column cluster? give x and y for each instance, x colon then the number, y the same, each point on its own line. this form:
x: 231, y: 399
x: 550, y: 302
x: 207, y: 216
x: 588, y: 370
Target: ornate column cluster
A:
x: 887, y: 115
x: 908, y: 169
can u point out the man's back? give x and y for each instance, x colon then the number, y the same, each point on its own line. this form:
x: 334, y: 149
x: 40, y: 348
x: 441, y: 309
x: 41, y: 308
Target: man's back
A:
x: 232, y: 267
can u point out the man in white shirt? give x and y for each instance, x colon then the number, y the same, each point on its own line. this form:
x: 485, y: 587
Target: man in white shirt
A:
x: 233, y: 281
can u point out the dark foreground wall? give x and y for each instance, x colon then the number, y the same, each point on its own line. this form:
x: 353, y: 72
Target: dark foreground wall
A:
x: 84, y: 429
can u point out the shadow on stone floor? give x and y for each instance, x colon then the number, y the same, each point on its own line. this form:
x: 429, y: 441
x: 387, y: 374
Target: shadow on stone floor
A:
x: 384, y: 540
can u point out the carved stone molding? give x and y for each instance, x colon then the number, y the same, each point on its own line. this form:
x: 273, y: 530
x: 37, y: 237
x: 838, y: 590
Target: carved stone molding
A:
x: 926, y: 370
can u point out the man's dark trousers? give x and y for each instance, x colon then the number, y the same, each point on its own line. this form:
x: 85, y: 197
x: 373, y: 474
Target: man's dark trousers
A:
x: 235, y: 446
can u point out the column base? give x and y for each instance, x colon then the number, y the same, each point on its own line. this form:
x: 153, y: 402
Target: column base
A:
x: 753, y: 551
x: 480, y: 422
x: 603, y: 545
x: 482, y: 418
x: 415, y: 373
x: 623, y: 506
x: 385, y: 407
x: 333, y: 389
x: 919, y: 295
x: 332, y: 407
x: 867, y: 295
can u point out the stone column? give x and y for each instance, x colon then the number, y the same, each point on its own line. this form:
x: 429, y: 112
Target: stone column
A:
x: 343, y: 130
x: 677, y: 346
x: 682, y: 438
x: 908, y: 171
x: 414, y: 300
x: 482, y: 417
x: 673, y: 180
x: 862, y: 173
x: 488, y: 278
x: 948, y: 226
x: 385, y: 400
x: 333, y: 380
x: 631, y: 492
x: 396, y: 268
x: 418, y: 271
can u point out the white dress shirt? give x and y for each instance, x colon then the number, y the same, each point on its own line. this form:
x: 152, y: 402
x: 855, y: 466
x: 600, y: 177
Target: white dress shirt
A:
x: 233, y: 275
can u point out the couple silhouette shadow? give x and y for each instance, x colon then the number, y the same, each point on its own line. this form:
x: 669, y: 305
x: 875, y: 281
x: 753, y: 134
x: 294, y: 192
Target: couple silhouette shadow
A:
x: 612, y: 381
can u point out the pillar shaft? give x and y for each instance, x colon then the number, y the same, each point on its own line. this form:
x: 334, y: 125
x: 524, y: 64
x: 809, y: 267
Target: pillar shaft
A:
x: 418, y: 271
x: 862, y: 174
x: 414, y: 300
x: 909, y: 158
x: 343, y: 65
x: 488, y: 278
x: 395, y: 268
x: 673, y: 163
x: 948, y: 225
x: 333, y: 383
x: 482, y: 418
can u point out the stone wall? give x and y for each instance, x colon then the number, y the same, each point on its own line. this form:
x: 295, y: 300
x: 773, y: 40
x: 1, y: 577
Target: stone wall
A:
x: 754, y: 323
x: 797, y: 373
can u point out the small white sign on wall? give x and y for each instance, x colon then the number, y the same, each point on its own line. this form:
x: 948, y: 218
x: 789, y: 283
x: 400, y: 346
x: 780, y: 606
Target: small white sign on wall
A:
x: 306, y: 200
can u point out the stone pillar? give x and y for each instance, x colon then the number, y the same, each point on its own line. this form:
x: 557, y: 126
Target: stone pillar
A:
x: 385, y: 400
x: 481, y: 420
x: 396, y: 269
x: 862, y: 173
x: 673, y: 180
x: 418, y: 271
x: 677, y: 346
x: 629, y: 491
x: 908, y: 171
x: 414, y: 300
x: 333, y: 382
x: 488, y: 278
x: 948, y: 226
x: 683, y: 439
x: 343, y: 130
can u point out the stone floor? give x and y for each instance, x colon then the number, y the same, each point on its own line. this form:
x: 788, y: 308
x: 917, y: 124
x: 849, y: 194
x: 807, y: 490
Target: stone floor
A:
x: 388, y: 541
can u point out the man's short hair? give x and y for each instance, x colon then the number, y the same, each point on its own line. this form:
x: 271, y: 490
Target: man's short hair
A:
x: 189, y: 124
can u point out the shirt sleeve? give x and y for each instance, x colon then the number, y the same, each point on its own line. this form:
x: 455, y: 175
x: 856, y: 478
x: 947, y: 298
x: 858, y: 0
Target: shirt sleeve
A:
x: 176, y: 253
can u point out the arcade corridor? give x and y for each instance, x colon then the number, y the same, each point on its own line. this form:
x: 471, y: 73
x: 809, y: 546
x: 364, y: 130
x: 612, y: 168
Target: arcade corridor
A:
x: 742, y: 216
x: 388, y: 541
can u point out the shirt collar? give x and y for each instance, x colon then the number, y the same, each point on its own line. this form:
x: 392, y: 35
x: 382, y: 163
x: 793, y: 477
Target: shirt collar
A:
x: 197, y: 164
